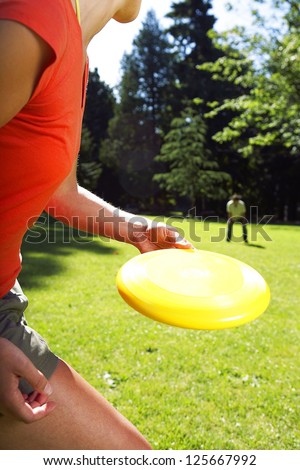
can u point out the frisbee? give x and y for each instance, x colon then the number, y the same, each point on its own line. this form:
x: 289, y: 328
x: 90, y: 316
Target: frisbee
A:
x: 193, y: 289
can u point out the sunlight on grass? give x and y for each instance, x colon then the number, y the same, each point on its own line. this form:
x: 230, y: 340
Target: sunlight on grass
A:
x: 184, y: 389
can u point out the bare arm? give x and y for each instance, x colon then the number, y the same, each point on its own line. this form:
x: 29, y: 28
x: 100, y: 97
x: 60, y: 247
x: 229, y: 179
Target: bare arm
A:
x: 23, y: 58
x: 79, y: 208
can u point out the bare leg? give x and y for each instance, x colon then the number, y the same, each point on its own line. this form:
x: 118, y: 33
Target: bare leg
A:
x: 82, y: 419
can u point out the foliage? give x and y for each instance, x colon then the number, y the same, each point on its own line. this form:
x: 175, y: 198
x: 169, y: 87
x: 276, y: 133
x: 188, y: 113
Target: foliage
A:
x: 265, y: 123
x: 88, y: 170
x: 270, y: 102
x: 99, y: 109
x: 191, y: 171
x: 134, y: 134
x: 151, y: 62
x: 245, y: 83
x: 129, y: 157
x: 193, y: 46
x: 271, y: 107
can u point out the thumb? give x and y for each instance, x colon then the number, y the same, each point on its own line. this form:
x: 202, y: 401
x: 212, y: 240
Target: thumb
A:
x: 178, y: 240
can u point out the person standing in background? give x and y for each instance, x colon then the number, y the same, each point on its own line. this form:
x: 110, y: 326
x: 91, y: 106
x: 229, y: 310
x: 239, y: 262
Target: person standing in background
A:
x: 236, y: 212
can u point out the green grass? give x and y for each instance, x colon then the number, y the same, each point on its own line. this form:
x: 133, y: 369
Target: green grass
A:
x: 184, y: 389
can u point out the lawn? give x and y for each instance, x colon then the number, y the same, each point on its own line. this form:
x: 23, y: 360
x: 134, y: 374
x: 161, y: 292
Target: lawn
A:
x: 184, y: 389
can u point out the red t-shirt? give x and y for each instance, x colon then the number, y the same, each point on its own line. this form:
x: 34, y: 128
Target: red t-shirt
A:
x: 40, y: 144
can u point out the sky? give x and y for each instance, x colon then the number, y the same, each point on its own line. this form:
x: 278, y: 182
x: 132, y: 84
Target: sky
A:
x: 107, y: 48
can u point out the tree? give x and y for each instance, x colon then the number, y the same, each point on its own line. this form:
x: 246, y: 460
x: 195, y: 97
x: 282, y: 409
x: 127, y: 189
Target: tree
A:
x: 265, y: 124
x: 89, y: 169
x: 147, y: 75
x: 191, y: 171
x: 193, y: 46
x: 99, y: 109
x: 135, y: 132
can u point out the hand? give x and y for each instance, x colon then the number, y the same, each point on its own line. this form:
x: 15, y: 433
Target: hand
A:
x: 159, y: 236
x: 13, y: 366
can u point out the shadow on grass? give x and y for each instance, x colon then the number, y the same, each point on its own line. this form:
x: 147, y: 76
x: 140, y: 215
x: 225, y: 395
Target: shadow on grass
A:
x: 255, y: 245
x: 42, y: 252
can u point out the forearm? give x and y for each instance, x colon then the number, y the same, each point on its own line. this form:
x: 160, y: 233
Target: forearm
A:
x: 87, y: 212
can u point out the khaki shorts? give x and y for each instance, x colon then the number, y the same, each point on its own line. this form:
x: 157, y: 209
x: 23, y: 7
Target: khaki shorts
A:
x: 13, y: 326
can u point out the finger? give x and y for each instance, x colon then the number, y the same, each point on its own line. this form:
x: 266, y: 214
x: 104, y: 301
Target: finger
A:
x: 16, y: 406
x: 37, y: 405
x: 33, y: 376
x: 32, y: 397
x: 171, y: 235
x: 36, y: 399
x: 161, y: 234
x: 36, y: 412
x: 184, y: 245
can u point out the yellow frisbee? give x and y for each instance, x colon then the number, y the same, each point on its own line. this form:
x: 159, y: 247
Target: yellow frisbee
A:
x: 193, y: 289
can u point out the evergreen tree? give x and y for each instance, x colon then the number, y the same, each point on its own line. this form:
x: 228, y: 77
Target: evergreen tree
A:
x: 135, y: 132
x: 147, y: 75
x: 89, y: 169
x: 191, y: 170
x: 193, y: 46
x: 193, y: 41
x: 99, y: 109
